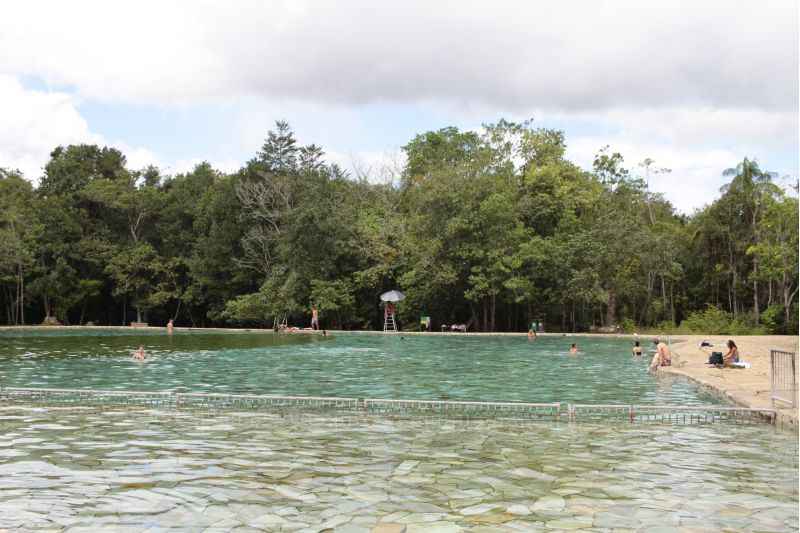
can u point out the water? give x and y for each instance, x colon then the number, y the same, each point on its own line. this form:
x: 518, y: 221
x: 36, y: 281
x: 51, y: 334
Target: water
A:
x: 135, y: 469
x: 139, y: 470
x: 366, y: 366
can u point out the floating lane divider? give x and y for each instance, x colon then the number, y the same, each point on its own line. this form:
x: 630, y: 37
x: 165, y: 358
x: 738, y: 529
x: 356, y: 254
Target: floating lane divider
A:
x: 672, y: 414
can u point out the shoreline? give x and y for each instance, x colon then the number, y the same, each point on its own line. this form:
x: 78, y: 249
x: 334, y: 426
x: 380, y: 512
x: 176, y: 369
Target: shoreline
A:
x: 644, y: 337
x: 748, y: 387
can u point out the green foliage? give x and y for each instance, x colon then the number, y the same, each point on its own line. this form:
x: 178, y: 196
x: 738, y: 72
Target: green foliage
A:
x: 773, y: 319
x: 628, y: 325
x: 715, y: 321
x: 492, y: 228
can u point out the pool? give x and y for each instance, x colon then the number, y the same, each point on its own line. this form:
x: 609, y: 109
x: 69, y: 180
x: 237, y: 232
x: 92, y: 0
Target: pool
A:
x: 103, y: 468
x: 126, y: 470
x: 363, y: 366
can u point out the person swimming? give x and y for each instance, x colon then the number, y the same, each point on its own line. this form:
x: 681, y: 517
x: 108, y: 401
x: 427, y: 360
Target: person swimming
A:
x: 573, y: 349
x: 139, y: 354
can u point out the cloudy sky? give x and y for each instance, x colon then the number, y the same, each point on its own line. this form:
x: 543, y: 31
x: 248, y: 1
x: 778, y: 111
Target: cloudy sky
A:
x: 696, y: 86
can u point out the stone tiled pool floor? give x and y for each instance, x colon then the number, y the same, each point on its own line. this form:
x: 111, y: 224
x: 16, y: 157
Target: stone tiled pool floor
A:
x: 140, y: 470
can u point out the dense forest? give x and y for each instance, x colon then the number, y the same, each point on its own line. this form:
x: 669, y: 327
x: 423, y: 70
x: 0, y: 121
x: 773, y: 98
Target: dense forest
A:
x: 491, y: 228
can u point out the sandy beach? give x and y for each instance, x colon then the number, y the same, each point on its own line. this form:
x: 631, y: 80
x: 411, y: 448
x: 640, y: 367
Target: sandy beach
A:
x: 746, y: 387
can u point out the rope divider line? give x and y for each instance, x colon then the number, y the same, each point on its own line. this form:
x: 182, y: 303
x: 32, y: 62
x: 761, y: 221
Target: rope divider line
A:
x: 556, y: 410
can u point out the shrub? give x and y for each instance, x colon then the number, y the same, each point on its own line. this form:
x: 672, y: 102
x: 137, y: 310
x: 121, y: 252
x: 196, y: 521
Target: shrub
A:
x: 714, y: 321
x: 772, y: 318
x: 627, y: 325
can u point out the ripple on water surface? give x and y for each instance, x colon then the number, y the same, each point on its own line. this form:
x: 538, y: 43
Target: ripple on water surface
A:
x: 414, y: 367
x: 82, y: 468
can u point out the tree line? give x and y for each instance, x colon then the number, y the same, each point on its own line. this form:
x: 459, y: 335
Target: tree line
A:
x: 492, y: 228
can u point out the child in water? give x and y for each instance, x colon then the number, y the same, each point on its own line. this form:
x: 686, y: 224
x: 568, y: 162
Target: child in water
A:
x: 573, y: 349
x: 139, y: 354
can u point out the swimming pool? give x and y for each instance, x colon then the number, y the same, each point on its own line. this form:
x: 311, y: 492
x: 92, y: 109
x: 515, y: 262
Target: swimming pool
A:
x: 354, y: 365
x: 98, y: 468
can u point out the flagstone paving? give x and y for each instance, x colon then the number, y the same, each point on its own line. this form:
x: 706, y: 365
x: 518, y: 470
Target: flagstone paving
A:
x: 137, y: 470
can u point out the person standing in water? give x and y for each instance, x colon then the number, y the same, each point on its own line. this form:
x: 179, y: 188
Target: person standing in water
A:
x: 637, y: 349
x: 170, y: 326
x: 573, y: 349
x: 314, y: 318
x: 139, y: 354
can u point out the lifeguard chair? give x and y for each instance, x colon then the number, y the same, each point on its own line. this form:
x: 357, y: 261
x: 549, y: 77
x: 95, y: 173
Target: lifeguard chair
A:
x: 389, y: 310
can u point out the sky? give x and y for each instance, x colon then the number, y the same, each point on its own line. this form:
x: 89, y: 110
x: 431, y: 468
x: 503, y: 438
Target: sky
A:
x: 696, y: 86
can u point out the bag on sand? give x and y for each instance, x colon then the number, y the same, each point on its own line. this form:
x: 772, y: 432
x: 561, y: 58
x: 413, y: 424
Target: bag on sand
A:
x: 715, y: 359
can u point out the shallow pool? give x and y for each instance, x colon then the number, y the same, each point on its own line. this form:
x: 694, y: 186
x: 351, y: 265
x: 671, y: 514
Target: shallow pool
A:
x: 139, y: 470
x: 368, y: 366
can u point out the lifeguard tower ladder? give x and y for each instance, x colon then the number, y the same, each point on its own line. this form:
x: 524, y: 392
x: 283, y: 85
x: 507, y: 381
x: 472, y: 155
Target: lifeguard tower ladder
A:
x: 388, y: 323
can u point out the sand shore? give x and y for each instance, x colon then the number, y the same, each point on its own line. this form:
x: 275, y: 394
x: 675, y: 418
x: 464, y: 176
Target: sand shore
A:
x: 746, y: 387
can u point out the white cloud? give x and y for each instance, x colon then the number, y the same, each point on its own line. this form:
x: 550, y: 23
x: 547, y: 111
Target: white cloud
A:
x: 578, y: 55
x: 696, y: 173
x: 694, y: 85
x: 35, y: 122
x: 696, y: 144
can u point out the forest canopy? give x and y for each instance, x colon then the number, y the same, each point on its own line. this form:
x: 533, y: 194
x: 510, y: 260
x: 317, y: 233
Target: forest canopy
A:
x: 490, y: 228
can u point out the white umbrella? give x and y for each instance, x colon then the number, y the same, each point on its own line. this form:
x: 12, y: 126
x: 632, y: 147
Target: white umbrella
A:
x: 392, y: 296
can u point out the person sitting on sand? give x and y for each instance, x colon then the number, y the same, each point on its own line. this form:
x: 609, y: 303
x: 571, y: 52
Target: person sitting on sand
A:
x: 732, y: 356
x: 139, y: 354
x: 662, y: 357
x: 573, y: 349
x: 637, y: 349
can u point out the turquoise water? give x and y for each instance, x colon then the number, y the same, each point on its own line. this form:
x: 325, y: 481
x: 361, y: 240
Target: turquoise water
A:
x: 370, y: 366
x: 80, y: 469
x: 138, y: 470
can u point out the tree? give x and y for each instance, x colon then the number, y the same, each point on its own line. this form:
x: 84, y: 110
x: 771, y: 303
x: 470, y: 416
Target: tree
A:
x: 134, y: 270
x: 19, y: 231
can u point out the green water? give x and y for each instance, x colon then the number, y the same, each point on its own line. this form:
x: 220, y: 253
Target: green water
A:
x: 129, y: 470
x: 369, y: 366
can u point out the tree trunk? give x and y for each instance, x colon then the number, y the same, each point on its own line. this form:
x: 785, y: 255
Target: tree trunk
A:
x: 788, y: 300
x: 611, y: 309
x: 485, y: 314
x: 755, y: 266
x: 21, y: 296
x: 138, y: 314
x: 732, y: 294
x: 672, y: 301
x: 494, y: 309
x: 755, y: 290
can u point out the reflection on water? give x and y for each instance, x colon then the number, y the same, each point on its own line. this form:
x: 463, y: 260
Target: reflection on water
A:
x: 72, y: 469
x: 435, y: 367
